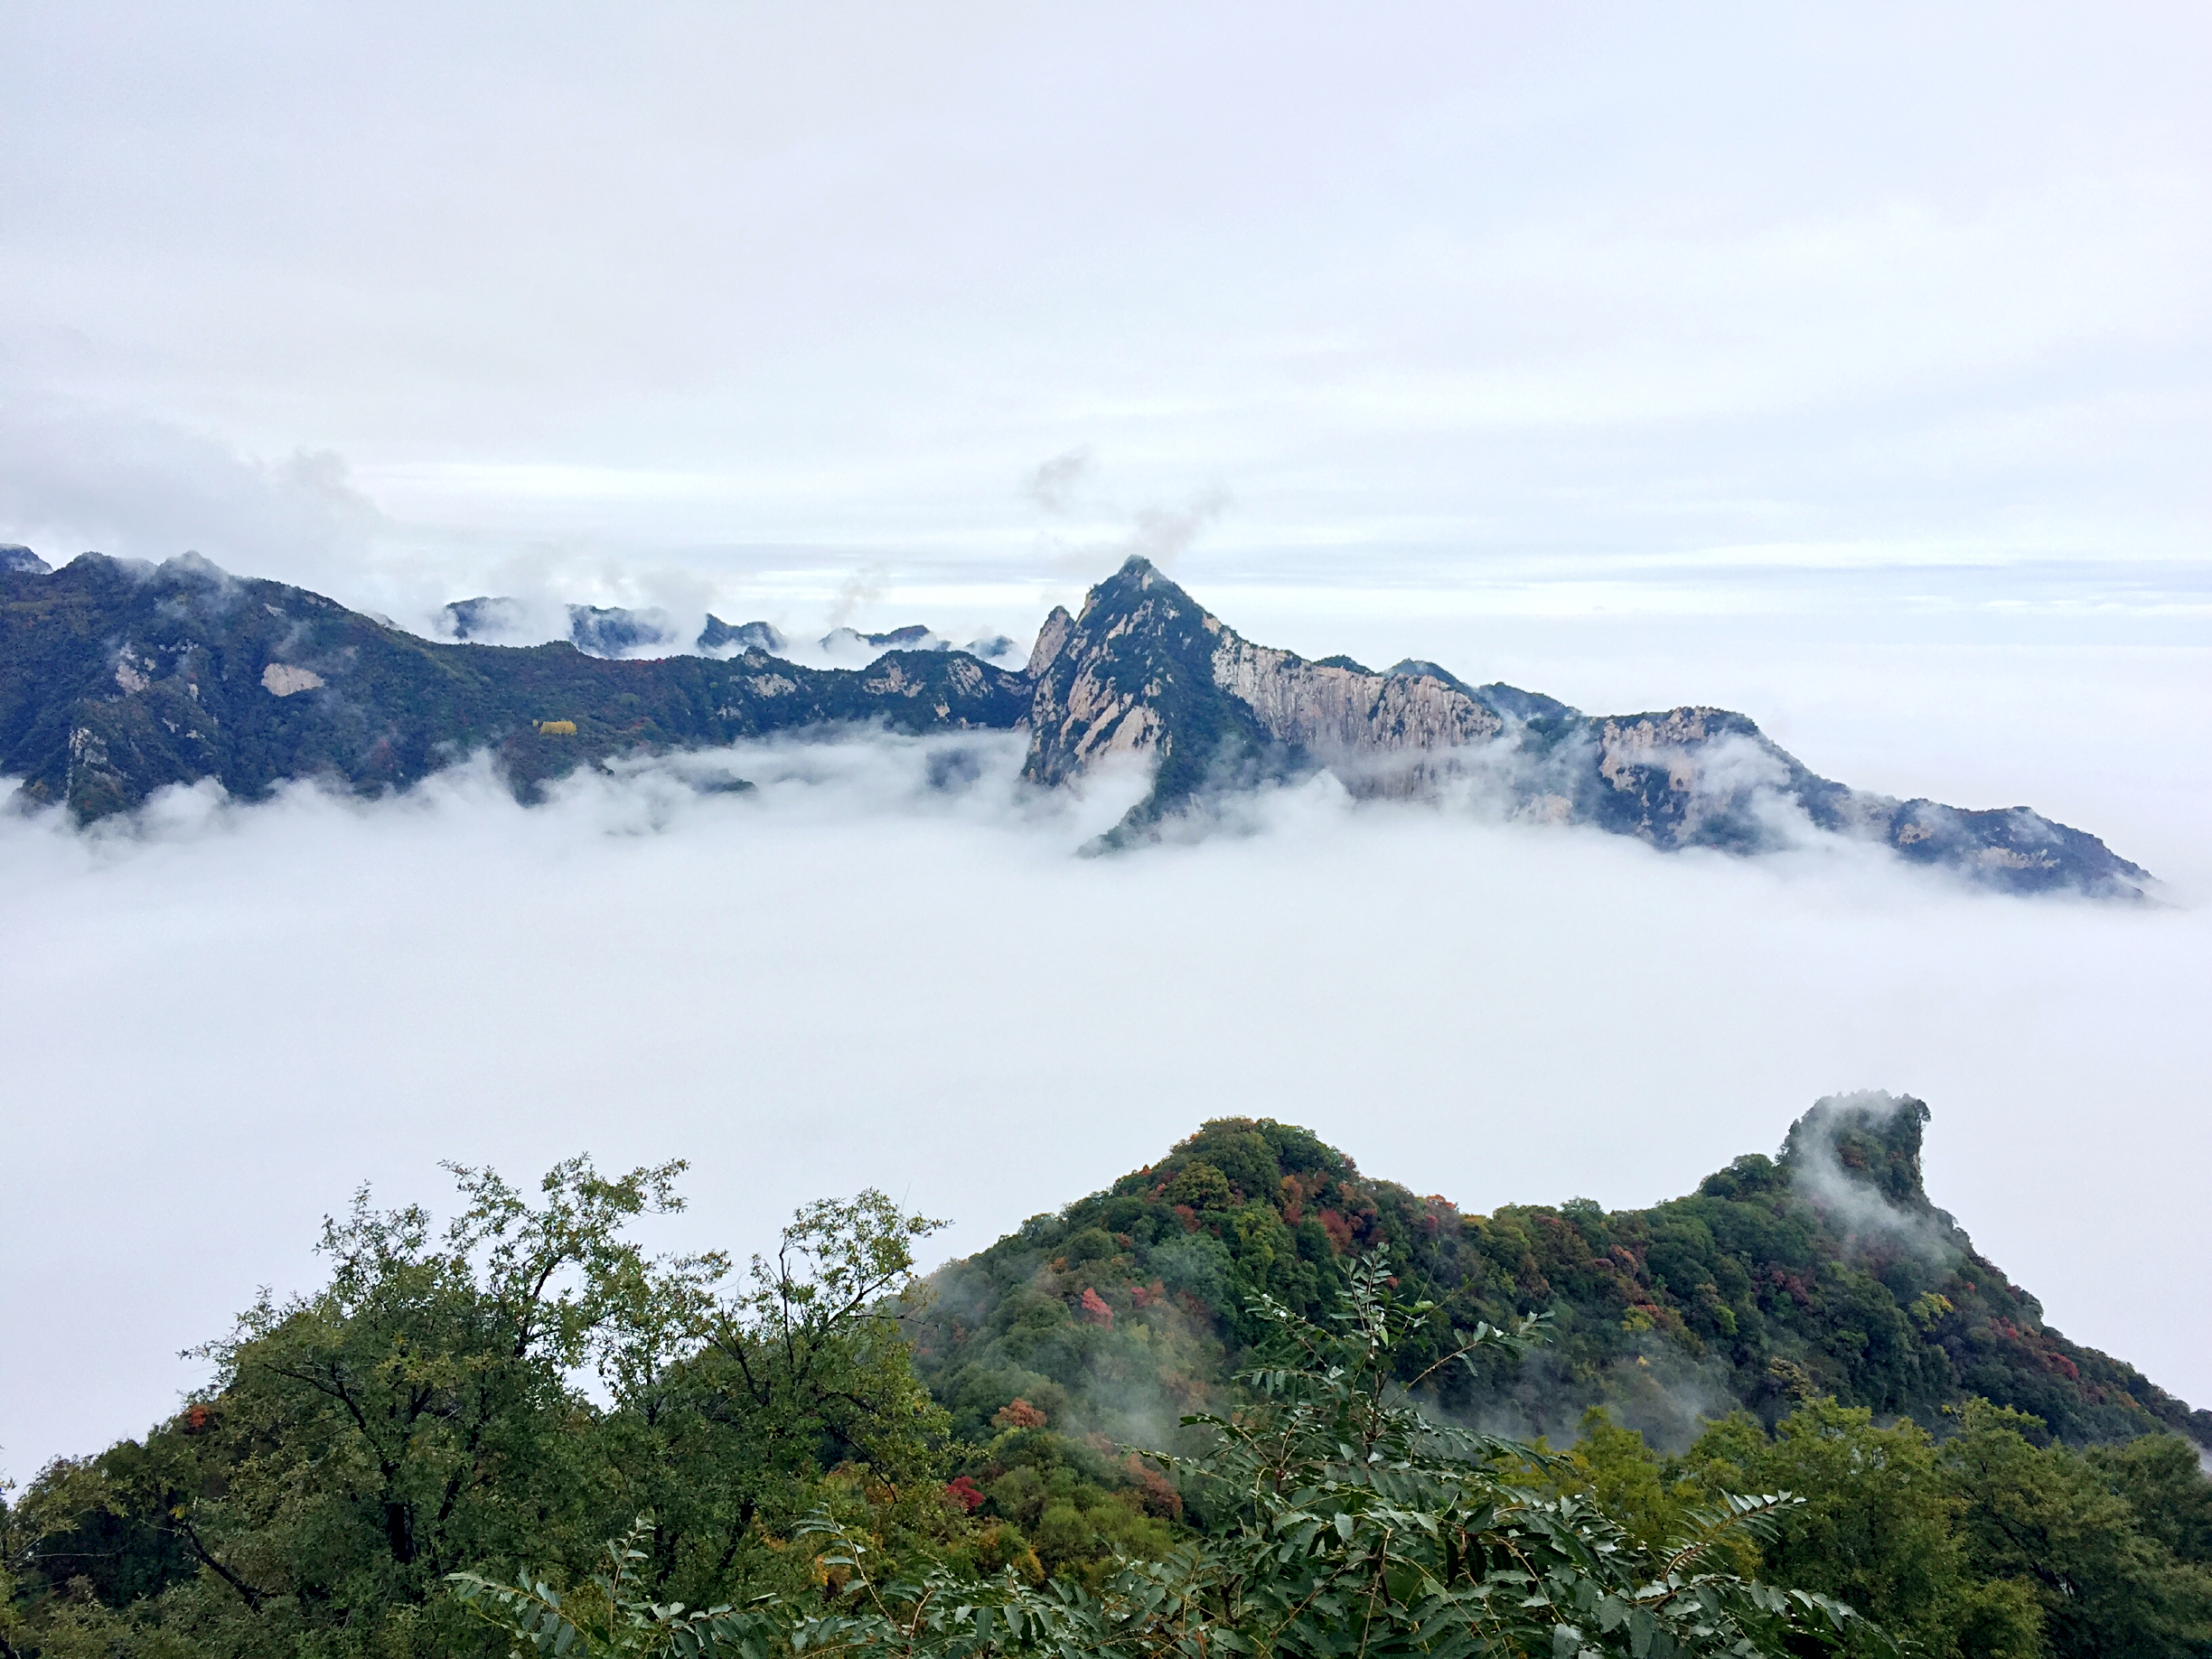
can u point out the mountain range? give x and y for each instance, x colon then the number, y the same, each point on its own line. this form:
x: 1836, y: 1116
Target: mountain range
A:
x: 617, y: 630
x: 117, y: 677
x: 1823, y: 1271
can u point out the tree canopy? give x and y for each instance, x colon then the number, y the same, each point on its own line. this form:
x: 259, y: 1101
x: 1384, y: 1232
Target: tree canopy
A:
x: 1247, y: 1401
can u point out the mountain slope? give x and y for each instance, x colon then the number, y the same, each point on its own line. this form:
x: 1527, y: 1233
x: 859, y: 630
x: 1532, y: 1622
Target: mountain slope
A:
x: 1144, y: 671
x: 1824, y: 1271
x: 117, y: 679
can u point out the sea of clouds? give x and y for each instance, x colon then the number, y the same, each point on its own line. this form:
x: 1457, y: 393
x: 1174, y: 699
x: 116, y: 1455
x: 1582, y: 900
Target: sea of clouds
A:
x: 890, y: 964
x: 1477, y: 334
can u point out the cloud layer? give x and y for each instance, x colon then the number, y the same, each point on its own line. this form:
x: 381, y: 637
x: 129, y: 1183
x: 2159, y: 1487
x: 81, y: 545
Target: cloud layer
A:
x: 1852, y: 373
x: 775, y: 296
x: 887, y: 966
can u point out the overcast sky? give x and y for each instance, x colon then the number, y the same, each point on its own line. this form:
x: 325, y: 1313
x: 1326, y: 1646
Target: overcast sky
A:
x: 1850, y: 368
x: 1438, y: 297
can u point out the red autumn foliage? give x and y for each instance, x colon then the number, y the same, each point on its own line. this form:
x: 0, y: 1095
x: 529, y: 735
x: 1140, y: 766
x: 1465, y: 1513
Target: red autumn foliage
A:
x: 1188, y: 1216
x: 1792, y: 1286
x: 1094, y: 1309
x: 1339, y: 1230
x: 1018, y: 1414
x: 198, y: 1417
x: 1144, y: 1296
x: 965, y: 1493
x: 1153, y: 1489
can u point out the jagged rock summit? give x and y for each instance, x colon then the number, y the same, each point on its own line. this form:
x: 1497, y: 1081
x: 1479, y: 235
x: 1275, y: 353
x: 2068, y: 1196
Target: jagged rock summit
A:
x: 913, y: 636
x: 599, y: 629
x: 1146, y: 672
x: 718, y: 636
x: 118, y: 677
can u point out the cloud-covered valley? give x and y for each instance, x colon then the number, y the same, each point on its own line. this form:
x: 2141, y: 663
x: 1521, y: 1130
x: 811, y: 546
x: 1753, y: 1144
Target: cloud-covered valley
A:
x: 1845, y: 370
x: 886, y: 964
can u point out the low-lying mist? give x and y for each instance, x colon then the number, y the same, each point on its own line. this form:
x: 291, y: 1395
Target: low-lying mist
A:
x: 887, y: 964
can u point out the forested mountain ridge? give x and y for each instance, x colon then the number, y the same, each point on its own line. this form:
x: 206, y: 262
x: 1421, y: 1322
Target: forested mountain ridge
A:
x: 1826, y: 1272
x: 116, y: 680
x: 117, y: 677
x: 426, y: 1456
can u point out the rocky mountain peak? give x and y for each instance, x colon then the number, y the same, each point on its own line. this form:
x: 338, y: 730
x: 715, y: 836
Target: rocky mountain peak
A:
x: 117, y: 677
x: 1145, y: 673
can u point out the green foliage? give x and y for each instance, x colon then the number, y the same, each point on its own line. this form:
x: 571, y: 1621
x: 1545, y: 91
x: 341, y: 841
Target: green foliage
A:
x: 1079, y: 1505
x: 1881, y: 1527
x: 750, y: 1397
x: 1993, y: 1542
x: 1356, y: 1526
x: 1824, y: 1273
x: 409, y: 1461
x: 610, y: 1616
x: 425, y: 1410
x: 2060, y: 1525
x: 1616, y: 1467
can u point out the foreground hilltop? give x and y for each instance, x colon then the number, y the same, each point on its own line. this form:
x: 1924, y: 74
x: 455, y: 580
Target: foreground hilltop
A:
x: 1824, y: 1271
x: 118, y: 677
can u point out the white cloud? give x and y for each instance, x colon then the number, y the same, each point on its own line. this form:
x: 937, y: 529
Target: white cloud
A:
x: 853, y: 977
x: 1846, y: 371
x: 1452, y: 287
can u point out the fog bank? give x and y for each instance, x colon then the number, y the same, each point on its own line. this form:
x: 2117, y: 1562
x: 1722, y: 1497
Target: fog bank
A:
x: 887, y: 965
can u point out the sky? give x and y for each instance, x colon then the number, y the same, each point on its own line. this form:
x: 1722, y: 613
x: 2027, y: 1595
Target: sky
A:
x: 1850, y: 369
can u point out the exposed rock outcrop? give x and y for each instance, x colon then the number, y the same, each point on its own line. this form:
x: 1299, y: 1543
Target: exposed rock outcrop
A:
x: 1144, y: 671
x: 718, y: 637
x: 617, y: 630
x: 117, y: 677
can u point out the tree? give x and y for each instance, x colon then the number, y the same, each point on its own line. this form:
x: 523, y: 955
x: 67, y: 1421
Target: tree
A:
x: 1353, y: 1524
x: 427, y: 1407
x: 1879, y: 1526
x: 2163, y: 1481
x: 745, y: 1400
x: 2108, y: 1585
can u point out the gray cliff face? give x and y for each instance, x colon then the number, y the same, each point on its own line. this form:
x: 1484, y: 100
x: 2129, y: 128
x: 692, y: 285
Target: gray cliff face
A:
x: 116, y: 678
x: 1146, y: 672
x: 1133, y: 676
x: 1346, y: 712
x: 719, y: 637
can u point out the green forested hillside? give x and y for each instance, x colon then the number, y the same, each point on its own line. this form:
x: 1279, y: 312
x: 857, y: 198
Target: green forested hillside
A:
x: 1826, y: 1272
x: 1246, y: 1401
